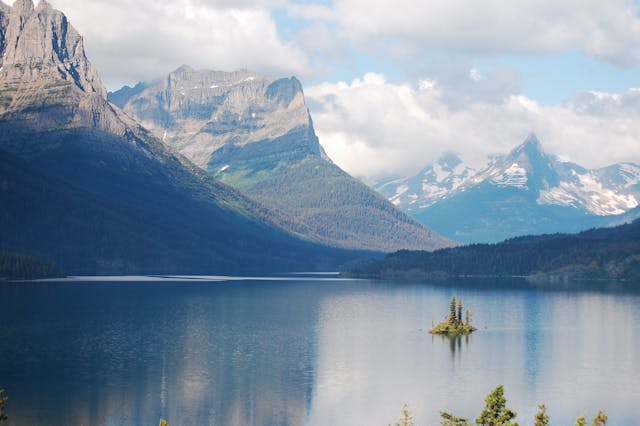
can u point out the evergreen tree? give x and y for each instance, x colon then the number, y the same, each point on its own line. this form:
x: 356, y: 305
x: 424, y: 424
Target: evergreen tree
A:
x: 600, y: 419
x: 452, y: 310
x: 3, y: 400
x: 406, y: 419
x: 451, y: 420
x: 468, y: 317
x: 495, y: 412
x: 459, y: 311
x: 541, y: 418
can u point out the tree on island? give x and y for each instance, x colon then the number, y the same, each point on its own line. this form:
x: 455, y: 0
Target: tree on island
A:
x: 453, y: 325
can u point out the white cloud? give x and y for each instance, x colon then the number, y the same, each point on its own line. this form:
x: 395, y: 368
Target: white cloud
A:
x: 607, y: 30
x: 373, y: 128
x: 145, y: 39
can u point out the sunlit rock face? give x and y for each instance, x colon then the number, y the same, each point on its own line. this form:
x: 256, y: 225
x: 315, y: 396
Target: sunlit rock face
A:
x: 85, y: 185
x: 255, y: 133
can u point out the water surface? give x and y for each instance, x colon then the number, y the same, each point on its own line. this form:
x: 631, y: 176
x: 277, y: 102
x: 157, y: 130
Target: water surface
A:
x: 309, y: 351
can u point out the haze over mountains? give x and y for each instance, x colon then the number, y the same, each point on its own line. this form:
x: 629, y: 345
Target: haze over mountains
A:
x: 255, y: 133
x: 524, y: 192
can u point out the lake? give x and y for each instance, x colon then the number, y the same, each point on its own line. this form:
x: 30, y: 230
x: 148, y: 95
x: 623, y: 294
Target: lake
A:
x: 306, y: 350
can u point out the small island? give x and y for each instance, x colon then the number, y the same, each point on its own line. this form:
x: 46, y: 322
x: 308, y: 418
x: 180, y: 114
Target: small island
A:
x: 454, y: 326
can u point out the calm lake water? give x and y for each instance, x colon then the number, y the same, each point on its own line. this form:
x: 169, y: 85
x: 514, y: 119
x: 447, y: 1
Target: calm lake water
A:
x: 309, y: 351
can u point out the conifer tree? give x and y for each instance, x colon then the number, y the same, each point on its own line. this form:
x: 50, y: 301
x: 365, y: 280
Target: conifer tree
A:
x: 459, y: 311
x: 496, y: 412
x: 451, y: 420
x: 467, y: 317
x: 600, y: 419
x: 452, y: 310
x: 541, y: 417
x: 406, y: 419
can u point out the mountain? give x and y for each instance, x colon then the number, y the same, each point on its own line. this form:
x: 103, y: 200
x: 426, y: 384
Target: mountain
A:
x: 255, y: 133
x: 524, y: 192
x: 87, y: 187
x: 597, y: 254
x: 428, y: 186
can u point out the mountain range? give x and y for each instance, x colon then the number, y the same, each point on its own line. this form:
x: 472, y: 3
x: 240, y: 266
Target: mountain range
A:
x: 88, y: 187
x: 524, y: 192
x: 255, y: 133
x: 85, y: 185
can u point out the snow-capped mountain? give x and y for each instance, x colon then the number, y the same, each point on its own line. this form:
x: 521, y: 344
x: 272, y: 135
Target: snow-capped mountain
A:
x: 431, y: 184
x: 524, y: 192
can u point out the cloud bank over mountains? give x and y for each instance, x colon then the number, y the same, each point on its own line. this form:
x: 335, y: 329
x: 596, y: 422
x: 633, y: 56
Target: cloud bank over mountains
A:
x: 375, y: 128
x: 410, y: 90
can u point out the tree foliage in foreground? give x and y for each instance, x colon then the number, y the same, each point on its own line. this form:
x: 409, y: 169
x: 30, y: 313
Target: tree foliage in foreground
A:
x: 496, y: 413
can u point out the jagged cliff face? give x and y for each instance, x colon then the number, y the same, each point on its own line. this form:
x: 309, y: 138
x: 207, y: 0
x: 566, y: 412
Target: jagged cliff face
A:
x: 46, y: 81
x: 85, y: 185
x: 40, y: 45
x: 255, y: 134
x: 198, y: 112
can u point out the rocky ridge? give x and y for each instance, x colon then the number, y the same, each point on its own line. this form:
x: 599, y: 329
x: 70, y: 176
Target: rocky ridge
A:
x: 255, y: 133
x: 565, y: 196
x: 85, y: 185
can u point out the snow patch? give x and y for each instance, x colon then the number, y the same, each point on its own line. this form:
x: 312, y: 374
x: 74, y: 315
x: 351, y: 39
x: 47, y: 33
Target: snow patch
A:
x: 514, y: 176
x: 589, y: 193
x: 223, y: 168
x: 441, y: 175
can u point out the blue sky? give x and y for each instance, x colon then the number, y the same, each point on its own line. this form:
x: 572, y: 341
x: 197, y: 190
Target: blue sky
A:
x: 393, y: 85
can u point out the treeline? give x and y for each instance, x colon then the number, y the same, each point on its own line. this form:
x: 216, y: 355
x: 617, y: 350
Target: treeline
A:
x: 22, y: 267
x: 496, y: 413
x: 611, y: 253
x: 337, y: 209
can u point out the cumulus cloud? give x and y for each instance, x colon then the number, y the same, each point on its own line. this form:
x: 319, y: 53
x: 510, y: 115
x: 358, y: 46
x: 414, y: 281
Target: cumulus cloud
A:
x: 137, y: 40
x: 608, y: 31
x: 373, y: 128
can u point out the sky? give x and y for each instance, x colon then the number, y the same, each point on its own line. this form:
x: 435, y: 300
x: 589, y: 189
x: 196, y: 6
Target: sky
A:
x: 393, y: 85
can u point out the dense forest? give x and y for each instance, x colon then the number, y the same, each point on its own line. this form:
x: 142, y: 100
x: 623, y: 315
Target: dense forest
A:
x: 21, y: 267
x: 607, y: 253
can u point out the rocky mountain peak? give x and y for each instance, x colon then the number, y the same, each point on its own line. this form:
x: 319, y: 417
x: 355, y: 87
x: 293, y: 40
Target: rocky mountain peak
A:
x: 526, y: 167
x: 20, y: 6
x: 201, y: 112
x: 530, y: 148
x: 41, y: 47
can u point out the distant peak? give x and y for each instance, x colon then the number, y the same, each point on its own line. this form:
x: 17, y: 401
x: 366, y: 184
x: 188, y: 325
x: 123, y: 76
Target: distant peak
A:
x: 531, y: 145
x: 532, y: 140
x: 450, y: 160
x: 23, y: 6
x: 44, y: 4
x: 184, y: 68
